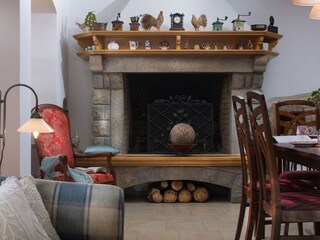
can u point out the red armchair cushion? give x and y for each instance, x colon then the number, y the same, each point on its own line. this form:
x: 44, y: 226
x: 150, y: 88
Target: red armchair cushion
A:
x: 58, y: 142
x: 96, y: 177
x: 101, y: 177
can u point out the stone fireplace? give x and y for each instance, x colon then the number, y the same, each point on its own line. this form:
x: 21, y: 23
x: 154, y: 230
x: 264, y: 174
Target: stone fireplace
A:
x: 113, y: 76
x: 119, y: 81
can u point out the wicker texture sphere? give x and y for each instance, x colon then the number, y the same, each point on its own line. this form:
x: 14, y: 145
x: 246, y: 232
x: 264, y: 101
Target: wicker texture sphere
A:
x: 182, y: 133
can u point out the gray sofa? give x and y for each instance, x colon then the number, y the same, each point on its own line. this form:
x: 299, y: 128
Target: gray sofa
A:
x: 83, y: 211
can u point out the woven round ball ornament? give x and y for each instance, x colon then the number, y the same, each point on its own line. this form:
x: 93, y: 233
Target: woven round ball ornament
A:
x: 182, y: 133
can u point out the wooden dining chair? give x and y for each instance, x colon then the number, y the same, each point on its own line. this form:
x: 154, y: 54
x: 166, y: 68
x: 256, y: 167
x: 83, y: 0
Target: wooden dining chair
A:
x: 250, y: 180
x: 281, y: 206
x: 289, y: 114
x: 249, y: 169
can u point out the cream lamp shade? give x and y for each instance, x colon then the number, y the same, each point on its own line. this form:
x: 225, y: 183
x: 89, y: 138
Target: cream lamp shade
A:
x: 315, y: 12
x: 36, y: 126
x: 305, y: 2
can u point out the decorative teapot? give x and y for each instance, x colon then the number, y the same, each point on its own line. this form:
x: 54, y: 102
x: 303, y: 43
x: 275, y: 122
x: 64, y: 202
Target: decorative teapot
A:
x: 164, y: 45
x: 112, y: 45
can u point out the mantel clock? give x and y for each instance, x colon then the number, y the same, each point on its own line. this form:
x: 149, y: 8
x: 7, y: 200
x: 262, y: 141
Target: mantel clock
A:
x: 176, y: 22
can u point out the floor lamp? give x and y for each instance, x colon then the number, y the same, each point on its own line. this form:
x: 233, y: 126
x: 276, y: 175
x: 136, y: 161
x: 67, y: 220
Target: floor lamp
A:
x: 35, y: 124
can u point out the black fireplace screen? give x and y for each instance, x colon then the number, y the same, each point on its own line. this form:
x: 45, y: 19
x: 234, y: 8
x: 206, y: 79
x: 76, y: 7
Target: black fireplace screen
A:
x: 163, y: 114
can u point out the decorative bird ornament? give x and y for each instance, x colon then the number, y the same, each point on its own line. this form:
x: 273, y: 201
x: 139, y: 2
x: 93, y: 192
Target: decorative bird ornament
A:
x: 197, y: 23
x: 148, y: 21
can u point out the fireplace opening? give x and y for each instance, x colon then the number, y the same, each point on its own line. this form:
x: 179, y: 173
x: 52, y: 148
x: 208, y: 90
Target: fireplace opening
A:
x: 140, y: 192
x: 158, y: 101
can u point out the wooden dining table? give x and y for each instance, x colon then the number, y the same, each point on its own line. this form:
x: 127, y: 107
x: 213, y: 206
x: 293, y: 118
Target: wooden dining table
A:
x: 306, y: 156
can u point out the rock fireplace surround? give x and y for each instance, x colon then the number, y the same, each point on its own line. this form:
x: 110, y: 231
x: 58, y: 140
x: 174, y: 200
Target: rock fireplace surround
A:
x: 111, y: 116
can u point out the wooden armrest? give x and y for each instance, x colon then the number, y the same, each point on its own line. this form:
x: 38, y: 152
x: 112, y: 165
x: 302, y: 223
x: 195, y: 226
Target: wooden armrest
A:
x: 102, y: 159
x: 64, y: 160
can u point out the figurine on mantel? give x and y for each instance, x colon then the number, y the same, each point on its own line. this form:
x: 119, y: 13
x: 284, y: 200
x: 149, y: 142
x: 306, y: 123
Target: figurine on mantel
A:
x: 88, y: 22
x: 117, y: 24
x: 197, y: 23
x: 134, y: 25
x: 149, y: 21
x: 272, y: 28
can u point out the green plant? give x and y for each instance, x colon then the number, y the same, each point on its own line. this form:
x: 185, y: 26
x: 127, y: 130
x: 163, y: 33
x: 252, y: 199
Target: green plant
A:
x: 90, y: 20
x: 315, y: 97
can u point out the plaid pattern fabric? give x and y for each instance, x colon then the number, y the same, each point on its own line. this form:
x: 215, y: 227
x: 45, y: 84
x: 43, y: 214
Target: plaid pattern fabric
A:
x: 83, y: 211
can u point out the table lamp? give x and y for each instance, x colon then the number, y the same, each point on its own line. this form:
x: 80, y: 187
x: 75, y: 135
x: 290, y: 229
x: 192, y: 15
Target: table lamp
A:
x: 35, y: 124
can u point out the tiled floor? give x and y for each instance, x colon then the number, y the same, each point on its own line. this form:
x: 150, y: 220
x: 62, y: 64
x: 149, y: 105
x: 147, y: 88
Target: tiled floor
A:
x: 214, y: 220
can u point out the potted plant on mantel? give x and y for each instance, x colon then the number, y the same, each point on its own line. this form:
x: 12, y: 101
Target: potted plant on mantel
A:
x: 315, y: 97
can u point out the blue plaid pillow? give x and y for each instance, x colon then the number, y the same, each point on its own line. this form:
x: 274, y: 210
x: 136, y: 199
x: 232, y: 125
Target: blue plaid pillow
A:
x: 98, y: 149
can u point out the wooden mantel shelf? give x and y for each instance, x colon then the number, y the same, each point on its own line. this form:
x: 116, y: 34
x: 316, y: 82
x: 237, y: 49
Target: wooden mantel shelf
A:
x: 263, y: 42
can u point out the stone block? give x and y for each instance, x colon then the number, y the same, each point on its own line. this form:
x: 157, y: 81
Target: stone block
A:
x: 116, y: 81
x: 101, y: 96
x: 248, y: 81
x: 101, y: 128
x: 101, y: 112
x: 96, y: 63
x: 238, y: 81
x: 257, y: 81
x: 99, y: 141
x: 106, y: 81
x: 97, y: 81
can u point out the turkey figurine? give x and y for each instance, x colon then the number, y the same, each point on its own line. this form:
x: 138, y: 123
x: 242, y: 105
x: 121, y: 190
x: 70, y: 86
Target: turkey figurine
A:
x: 148, y: 21
x: 197, y: 23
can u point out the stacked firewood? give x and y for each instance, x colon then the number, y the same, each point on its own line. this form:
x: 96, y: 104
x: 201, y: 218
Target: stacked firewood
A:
x: 177, y: 191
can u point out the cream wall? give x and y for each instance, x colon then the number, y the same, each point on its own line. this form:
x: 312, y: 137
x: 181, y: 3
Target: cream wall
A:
x: 297, y: 68
x: 9, y: 69
x: 28, y: 36
x: 294, y: 71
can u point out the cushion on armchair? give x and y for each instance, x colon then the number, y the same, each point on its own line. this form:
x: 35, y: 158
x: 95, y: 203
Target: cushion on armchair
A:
x: 33, y: 197
x: 99, y: 149
x: 18, y: 220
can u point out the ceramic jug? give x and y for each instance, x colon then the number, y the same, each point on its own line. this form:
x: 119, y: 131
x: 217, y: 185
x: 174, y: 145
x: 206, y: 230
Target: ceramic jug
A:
x: 133, y: 45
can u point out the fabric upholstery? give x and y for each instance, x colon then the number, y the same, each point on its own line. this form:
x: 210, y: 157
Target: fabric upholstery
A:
x: 83, y: 211
x: 17, y: 220
x: 99, y: 149
x: 101, y: 177
x: 287, y: 185
x: 33, y: 197
x: 58, y: 142
x: 300, y: 201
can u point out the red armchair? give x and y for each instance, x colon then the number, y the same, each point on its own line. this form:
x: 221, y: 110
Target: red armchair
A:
x: 59, y: 143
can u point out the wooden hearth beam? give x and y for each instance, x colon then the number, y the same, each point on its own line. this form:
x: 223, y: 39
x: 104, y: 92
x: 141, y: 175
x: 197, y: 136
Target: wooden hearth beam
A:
x: 169, y: 160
